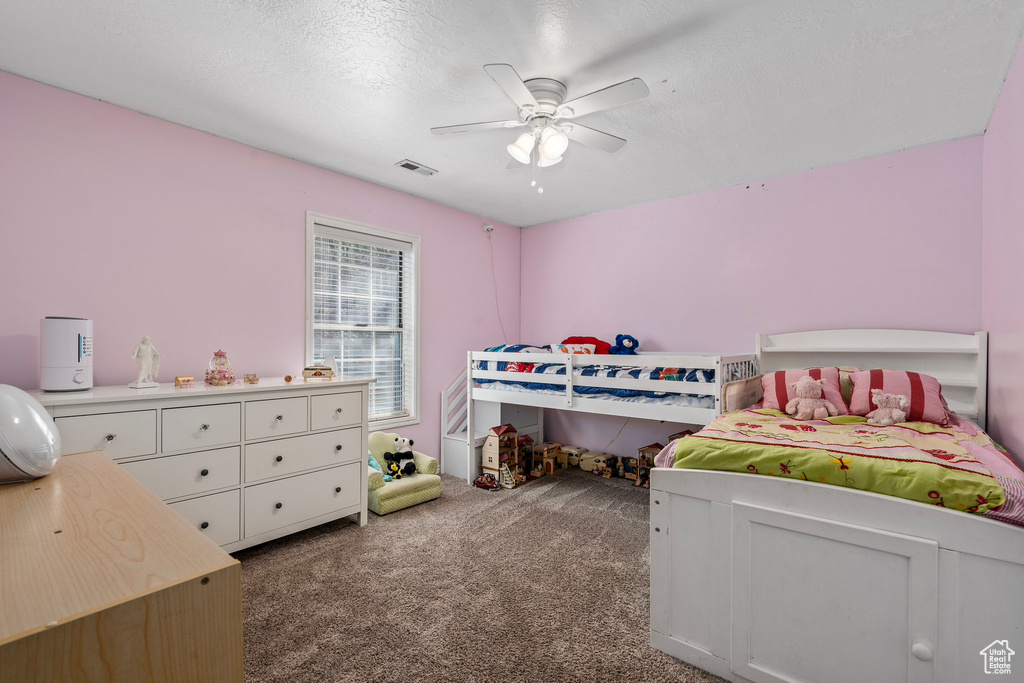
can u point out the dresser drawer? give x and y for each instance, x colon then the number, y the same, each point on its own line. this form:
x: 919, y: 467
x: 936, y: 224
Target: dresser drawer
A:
x: 276, y: 417
x: 330, y: 411
x: 188, y: 474
x: 287, y: 456
x: 216, y: 516
x: 289, y: 501
x: 188, y: 429
x: 119, y: 435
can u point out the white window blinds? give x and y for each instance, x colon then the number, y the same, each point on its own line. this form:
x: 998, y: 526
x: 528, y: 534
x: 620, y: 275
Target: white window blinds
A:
x: 364, y: 314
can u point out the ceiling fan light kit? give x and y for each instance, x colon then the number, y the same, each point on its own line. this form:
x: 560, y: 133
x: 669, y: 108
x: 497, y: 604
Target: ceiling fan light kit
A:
x: 540, y: 105
x: 522, y: 148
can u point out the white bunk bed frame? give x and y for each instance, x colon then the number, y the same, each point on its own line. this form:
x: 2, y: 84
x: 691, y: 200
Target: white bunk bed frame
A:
x: 468, y: 408
x: 758, y: 578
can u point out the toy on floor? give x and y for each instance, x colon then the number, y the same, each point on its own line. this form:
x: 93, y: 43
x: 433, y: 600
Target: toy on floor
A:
x: 625, y: 345
x: 809, y: 403
x: 486, y: 481
x: 891, y: 408
x: 402, y: 458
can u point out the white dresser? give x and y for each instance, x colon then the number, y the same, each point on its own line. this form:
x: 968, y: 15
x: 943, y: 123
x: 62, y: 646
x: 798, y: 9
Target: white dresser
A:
x: 245, y: 463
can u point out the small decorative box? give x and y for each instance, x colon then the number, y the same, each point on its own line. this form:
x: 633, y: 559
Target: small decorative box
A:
x: 317, y: 373
x: 251, y: 378
x: 184, y: 381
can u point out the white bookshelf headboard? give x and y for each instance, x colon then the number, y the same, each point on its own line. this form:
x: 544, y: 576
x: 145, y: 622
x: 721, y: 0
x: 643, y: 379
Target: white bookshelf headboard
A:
x: 958, y: 361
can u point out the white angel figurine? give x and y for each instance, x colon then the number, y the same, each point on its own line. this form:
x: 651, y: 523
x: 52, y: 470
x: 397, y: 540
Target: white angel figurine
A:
x: 148, y: 358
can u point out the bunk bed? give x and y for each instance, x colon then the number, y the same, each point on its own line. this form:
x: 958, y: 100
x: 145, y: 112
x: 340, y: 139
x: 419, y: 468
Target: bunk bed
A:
x: 762, y: 578
x: 494, y: 390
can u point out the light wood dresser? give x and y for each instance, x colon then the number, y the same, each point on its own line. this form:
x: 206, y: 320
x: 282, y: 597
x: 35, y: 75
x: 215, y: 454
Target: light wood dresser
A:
x: 244, y: 463
x: 100, y: 581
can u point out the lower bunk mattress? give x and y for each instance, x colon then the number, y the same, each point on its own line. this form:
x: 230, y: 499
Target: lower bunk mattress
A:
x: 957, y: 467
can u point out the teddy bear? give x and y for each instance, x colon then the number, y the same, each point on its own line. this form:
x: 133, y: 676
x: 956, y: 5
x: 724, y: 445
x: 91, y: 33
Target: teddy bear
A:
x: 809, y: 403
x: 625, y: 345
x: 891, y: 408
x: 401, y: 458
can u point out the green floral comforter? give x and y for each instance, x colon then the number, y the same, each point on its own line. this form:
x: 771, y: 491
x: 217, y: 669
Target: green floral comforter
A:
x: 915, y: 460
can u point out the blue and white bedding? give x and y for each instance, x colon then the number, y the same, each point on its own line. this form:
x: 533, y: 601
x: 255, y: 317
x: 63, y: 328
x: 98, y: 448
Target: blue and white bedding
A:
x: 536, y: 365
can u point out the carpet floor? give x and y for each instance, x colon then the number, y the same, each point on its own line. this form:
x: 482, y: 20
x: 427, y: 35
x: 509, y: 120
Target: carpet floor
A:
x: 547, y: 582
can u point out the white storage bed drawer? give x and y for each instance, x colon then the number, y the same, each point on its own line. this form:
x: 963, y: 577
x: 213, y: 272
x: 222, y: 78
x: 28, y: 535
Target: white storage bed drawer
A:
x: 286, y: 456
x: 330, y: 411
x: 175, y: 476
x: 216, y: 516
x: 276, y: 417
x: 284, y: 502
x: 201, y: 426
x: 119, y: 435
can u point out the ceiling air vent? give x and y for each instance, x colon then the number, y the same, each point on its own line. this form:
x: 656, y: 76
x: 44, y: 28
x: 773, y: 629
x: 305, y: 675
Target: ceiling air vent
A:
x: 417, y: 167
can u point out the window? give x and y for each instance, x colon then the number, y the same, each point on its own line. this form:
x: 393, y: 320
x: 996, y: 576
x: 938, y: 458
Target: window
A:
x: 362, y: 307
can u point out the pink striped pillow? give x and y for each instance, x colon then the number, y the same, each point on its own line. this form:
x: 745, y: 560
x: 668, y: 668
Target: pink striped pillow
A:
x: 924, y: 392
x: 778, y: 387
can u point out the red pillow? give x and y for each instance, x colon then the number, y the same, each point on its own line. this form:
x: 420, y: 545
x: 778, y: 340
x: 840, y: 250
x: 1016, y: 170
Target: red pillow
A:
x: 924, y: 392
x: 778, y: 387
x: 599, y: 346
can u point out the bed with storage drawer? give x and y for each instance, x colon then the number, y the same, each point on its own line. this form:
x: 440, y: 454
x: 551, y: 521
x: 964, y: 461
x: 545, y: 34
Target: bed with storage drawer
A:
x: 778, y: 578
x: 516, y: 383
x: 243, y: 463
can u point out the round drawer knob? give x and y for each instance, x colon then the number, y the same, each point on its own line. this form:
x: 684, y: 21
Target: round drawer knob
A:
x: 204, y: 473
x: 279, y: 418
x: 279, y: 458
x: 204, y: 427
x: 204, y: 525
x: 338, y: 411
x: 111, y: 437
x: 277, y: 505
x: 338, y: 447
x: 337, y: 489
x: 922, y: 651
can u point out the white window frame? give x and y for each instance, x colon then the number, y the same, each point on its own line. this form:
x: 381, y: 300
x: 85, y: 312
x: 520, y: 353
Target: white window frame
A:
x: 313, y: 220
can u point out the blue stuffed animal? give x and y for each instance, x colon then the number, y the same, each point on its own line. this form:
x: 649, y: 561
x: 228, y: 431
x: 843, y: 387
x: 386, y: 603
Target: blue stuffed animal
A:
x: 625, y: 345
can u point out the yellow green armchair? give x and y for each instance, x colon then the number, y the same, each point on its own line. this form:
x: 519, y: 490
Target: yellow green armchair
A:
x: 397, y: 494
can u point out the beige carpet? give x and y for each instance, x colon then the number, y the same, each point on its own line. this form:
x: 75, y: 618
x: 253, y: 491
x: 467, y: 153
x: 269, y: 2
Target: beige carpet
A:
x: 547, y: 582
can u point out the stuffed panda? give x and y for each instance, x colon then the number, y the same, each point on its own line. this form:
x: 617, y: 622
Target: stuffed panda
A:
x: 401, y: 458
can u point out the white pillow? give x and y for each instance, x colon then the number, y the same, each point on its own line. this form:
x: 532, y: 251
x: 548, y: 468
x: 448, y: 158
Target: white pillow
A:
x: 573, y: 348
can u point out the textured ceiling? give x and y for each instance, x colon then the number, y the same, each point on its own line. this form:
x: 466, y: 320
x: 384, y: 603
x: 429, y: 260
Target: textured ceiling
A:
x: 741, y: 90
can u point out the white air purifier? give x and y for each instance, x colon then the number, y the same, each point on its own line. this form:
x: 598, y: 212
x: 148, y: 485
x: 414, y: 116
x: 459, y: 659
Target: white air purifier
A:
x: 29, y: 440
x: 65, y: 354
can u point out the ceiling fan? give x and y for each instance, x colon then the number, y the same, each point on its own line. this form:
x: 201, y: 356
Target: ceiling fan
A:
x: 541, y: 106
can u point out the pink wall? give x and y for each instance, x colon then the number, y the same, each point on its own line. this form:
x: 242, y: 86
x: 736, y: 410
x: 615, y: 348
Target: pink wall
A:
x: 152, y: 228
x: 888, y: 242
x: 1003, y: 260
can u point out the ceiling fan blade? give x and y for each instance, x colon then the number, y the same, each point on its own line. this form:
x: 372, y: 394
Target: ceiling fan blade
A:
x: 509, y: 81
x: 594, y: 138
x: 612, y: 96
x: 472, y: 127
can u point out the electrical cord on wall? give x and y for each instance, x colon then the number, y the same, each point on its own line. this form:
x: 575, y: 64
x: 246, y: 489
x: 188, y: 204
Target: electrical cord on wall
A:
x: 494, y: 278
x: 617, y: 435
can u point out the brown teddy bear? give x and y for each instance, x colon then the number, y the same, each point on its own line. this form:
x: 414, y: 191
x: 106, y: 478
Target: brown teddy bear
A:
x: 891, y: 408
x: 809, y: 403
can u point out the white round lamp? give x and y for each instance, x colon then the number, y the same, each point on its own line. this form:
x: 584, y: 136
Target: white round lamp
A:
x: 29, y: 440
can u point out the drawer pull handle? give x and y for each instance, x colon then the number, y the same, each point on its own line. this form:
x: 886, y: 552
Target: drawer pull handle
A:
x: 337, y: 489
x: 204, y: 525
x: 111, y: 437
x: 279, y: 418
x: 204, y: 473
x: 279, y: 458
x: 338, y: 447
x: 204, y: 427
x: 277, y: 505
